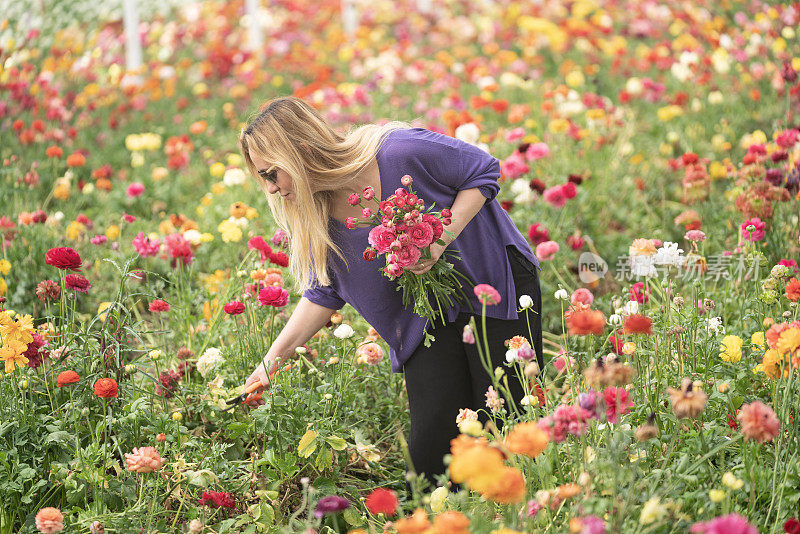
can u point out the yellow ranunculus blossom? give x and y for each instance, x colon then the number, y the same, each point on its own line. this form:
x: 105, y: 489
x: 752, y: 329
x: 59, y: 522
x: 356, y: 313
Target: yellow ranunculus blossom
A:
x: 101, y: 310
x: 716, y: 495
x: 217, y: 169
x: 5, y: 266
x: 731, y: 348
x: 74, y: 230
x: 112, y: 232
x: 3, y: 287
x: 757, y: 339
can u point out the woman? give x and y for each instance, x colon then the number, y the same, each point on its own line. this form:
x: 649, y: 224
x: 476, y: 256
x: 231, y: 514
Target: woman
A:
x: 308, y: 171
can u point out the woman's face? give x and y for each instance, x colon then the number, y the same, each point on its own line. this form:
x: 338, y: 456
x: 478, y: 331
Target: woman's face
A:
x: 276, y: 180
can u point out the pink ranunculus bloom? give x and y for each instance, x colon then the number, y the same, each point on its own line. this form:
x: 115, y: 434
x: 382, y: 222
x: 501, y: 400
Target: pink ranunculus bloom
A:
x: 144, y: 460
x: 98, y: 240
x: 726, y: 524
x: 135, y: 189
x: 408, y: 255
x: 49, y: 520
x: 754, y: 229
x: 759, y: 422
x: 618, y: 403
x: 569, y: 190
x: 515, y: 135
x: 555, y: 196
x: 234, y: 308
x: 537, y: 151
x: 280, y: 238
x: 545, y: 251
x: 487, y: 294
x: 158, y: 306
x: 640, y: 292
x: 146, y: 246
x: 421, y: 234
x: 582, y: 296
x: 179, y: 249
x: 273, y: 296
x: 791, y: 264
x: 560, y: 362
x: 514, y: 166
x: 393, y: 269
x: 381, y: 239
x: 467, y: 335
x: 436, y: 224
x: 695, y: 235
x: 537, y: 233
x: 369, y: 353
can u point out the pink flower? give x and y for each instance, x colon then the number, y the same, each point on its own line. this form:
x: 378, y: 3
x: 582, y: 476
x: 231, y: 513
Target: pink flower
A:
x: 406, y: 181
x: 50, y: 520
x: 759, y: 422
x: 421, y: 234
x: 350, y: 223
x: 158, y: 306
x: 555, y: 196
x: 726, y: 524
x: 582, y: 296
x: 467, y: 335
x: 569, y: 190
x: 493, y: 400
x: 128, y: 218
x: 353, y: 199
x: 515, y: 135
x: 545, y: 251
x: 640, y: 292
x: 754, y: 229
x: 233, y: 308
x: 368, y: 193
x: 436, y: 224
x: 487, y: 294
x: 146, y: 246
x: 381, y: 239
x: 695, y: 235
x: 514, y: 166
x: 366, y: 213
x: 790, y: 264
x: 537, y: 233
x: 144, y: 460
x: 179, y: 248
x: 408, y: 255
x: 135, y: 189
x: 393, y: 270
x: 617, y: 403
x: 369, y: 353
x: 273, y: 296
x: 98, y: 240
x: 537, y: 151
x: 560, y: 362
x: 78, y: 283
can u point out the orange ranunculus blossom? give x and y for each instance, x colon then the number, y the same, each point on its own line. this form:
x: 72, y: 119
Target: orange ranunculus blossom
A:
x: 638, y: 324
x: 583, y: 322
x: 198, y: 127
x: 106, y: 388
x: 49, y: 520
x: 76, y: 159
x: 416, y: 523
x: 500, y: 106
x: 54, y: 152
x: 144, y: 460
x: 451, y: 522
x: 793, y: 290
x: 507, y: 488
x: 528, y: 439
x: 66, y: 378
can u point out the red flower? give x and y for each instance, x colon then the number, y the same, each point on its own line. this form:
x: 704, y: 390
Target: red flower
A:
x: 617, y: 343
x: 369, y: 254
x: 78, y: 283
x: 234, y: 308
x: 66, y: 378
x: 158, y: 305
x: 583, y: 322
x: 217, y: 499
x: 279, y: 258
x: 63, y: 258
x: 273, y: 296
x: 382, y: 501
x: 792, y: 526
x: 537, y: 233
x: 106, y: 388
x: 617, y: 403
x: 638, y: 324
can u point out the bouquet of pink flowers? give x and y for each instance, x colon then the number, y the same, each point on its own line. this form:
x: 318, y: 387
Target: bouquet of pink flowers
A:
x: 404, y: 233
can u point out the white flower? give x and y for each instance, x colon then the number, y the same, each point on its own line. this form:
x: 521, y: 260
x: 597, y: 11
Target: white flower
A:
x: 643, y: 266
x: 468, y: 132
x: 561, y: 294
x: 630, y: 308
x: 523, y: 194
x: 511, y: 355
x: 669, y: 254
x: 439, y: 499
x: 634, y: 86
x: 614, y: 319
x: 714, y: 324
x: 530, y: 400
x: 344, y: 331
x: 525, y: 301
x: 193, y: 236
x: 233, y: 177
x: 209, y: 361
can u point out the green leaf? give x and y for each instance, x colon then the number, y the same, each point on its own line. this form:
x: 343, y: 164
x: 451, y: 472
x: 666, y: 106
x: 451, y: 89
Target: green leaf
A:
x: 308, y: 444
x: 336, y: 442
x: 324, y: 458
x: 352, y: 517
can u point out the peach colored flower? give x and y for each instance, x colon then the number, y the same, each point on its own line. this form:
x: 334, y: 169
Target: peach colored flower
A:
x: 759, y: 422
x: 369, y: 353
x: 50, y: 520
x: 144, y: 460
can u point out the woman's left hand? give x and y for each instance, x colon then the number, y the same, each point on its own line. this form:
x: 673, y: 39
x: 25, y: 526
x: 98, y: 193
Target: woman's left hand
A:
x: 424, y: 264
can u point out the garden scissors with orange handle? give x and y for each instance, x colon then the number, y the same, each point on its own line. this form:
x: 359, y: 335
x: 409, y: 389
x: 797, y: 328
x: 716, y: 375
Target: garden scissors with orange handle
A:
x: 232, y: 403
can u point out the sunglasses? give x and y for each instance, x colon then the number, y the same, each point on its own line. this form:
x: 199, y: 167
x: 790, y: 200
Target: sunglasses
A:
x: 270, y: 175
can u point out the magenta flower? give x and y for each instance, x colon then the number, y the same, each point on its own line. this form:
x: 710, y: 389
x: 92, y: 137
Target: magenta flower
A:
x: 135, y: 189
x: 514, y: 166
x: 537, y: 151
x: 726, y: 524
x: 555, y: 196
x: 487, y: 294
x: 754, y: 229
x: 146, y: 246
x: 330, y: 505
x: 273, y: 296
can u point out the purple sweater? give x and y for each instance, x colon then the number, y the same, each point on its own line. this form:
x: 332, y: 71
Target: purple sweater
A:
x: 441, y: 166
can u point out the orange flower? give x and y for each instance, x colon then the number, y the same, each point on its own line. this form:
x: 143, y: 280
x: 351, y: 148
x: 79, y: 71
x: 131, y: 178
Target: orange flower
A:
x: 76, y: 159
x: 106, y: 388
x: 583, y: 322
x: 66, y: 378
x: 144, y: 460
x: 50, y: 520
x: 451, y: 522
x: 508, y: 488
x: 417, y: 523
x: 528, y: 439
x: 638, y: 324
x: 758, y: 422
x: 198, y: 127
x: 793, y: 290
x: 477, y: 466
x: 565, y: 491
x: 689, y: 401
x: 54, y: 152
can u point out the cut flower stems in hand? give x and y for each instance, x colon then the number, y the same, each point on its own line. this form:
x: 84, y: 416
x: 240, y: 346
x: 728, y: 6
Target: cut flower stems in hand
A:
x: 408, y: 234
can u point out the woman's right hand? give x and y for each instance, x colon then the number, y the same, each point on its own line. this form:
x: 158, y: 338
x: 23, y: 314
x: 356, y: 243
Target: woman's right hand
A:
x: 260, y: 375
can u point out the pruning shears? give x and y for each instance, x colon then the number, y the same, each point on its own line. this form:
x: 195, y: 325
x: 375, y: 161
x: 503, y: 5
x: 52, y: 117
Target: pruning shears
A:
x: 232, y: 403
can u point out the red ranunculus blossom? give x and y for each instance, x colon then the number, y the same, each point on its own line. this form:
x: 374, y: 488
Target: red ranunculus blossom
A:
x: 792, y: 526
x: 158, y: 305
x: 638, y: 324
x: 382, y: 501
x: 279, y: 257
x: 77, y: 283
x: 217, y: 499
x: 234, y: 308
x: 66, y: 378
x: 106, y: 388
x: 63, y: 258
x: 273, y: 296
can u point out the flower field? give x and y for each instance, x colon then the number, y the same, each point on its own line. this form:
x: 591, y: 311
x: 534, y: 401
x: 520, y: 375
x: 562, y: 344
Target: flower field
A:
x: 650, y: 151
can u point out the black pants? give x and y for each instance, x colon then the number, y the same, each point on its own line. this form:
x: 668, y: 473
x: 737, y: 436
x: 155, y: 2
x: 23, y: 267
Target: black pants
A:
x: 448, y: 375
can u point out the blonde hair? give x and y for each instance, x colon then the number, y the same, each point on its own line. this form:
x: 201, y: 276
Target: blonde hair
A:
x: 291, y: 134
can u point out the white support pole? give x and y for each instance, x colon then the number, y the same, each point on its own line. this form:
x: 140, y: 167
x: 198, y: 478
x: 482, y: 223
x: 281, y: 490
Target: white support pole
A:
x: 133, y: 46
x: 424, y: 6
x: 255, y: 35
x: 349, y: 17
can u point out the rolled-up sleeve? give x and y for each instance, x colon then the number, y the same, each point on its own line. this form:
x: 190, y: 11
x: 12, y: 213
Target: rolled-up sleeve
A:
x: 479, y: 169
x: 325, y: 296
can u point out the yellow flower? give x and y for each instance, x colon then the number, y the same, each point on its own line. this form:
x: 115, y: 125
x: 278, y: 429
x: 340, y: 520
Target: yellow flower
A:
x: 217, y: 169
x: 102, y: 308
x: 471, y: 428
x: 231, y: 232
x: 652, y: 511
x: 757, y: 339
x: 717, y: 170
x: 19, y: 330
x: 159, y: 173
x: 439, y: 499
x: 74, y: 230
x: 11, y: 354
x: 731, y: 349
x: 628, y: 348
x: 729, y: 480
x: 642, y: 247
x: 112, y: 232
x: 5, y: 267
x: 789, y: 340
x: 3, y: 287
x: 716, y: 495
x: 218, y: 188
